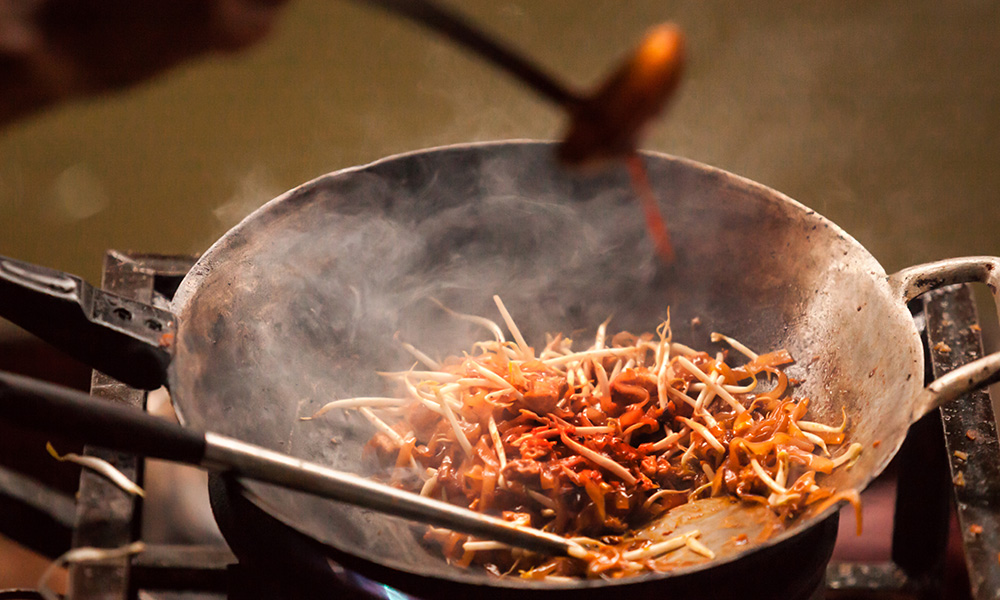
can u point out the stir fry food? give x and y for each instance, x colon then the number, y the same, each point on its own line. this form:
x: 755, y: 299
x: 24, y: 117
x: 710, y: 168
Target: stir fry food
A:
x: 595, y: 443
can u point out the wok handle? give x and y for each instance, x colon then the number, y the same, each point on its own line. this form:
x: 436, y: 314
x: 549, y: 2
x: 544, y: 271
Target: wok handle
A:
x: 49, y: 408
x: 911, y: 282
x: 957, y: 383
x: 123, y: 338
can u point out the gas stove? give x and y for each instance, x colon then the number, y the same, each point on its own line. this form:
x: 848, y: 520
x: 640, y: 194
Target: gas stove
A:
x: 948, y: 470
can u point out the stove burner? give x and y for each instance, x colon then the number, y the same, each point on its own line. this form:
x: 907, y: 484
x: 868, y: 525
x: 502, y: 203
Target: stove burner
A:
x: 292, y: 560
x: 294, y: 566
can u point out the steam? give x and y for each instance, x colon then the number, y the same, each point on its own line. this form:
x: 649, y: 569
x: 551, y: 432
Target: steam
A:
x: 252, y: 190
x: 306, y: 301
x: 312, y: 295
x: 371, y: 277
x: 77, y: 194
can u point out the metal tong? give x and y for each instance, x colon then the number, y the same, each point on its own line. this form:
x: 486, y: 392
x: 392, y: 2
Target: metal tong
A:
x: 53, y: 409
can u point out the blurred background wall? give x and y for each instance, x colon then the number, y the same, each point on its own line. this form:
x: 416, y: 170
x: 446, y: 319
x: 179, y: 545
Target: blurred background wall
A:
x: 881, y: 115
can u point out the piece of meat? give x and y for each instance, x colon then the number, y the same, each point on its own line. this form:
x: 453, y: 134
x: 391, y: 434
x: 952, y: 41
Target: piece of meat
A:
x: 542, y: 395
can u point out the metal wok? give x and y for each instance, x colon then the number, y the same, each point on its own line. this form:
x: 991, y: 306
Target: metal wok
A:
x: 300, y: 303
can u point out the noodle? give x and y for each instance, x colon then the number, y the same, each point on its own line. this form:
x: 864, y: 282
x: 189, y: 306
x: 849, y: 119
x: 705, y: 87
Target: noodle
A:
x: 600, y: 442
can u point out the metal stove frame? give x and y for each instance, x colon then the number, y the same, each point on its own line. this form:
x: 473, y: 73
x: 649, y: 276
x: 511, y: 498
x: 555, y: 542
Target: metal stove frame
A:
x: 960, y: 467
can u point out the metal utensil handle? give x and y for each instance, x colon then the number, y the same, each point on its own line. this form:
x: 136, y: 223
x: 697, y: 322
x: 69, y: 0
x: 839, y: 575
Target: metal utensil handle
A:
x: 911, y: 282
x: 465, y: 34
x: 117, y: 336
x: 254, y: 462
x: 77, y: 416
x: 73, y: 415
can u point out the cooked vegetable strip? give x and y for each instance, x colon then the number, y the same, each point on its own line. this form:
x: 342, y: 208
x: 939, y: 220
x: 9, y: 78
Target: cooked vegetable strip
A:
x: 579, y: 552
x: 497, y: 442
x: 526, y: 352
x: 591, y: 354
x: 602, y: 332
x: 732, y: 389
x: 670, y: 440
x: 707, y: 394
x: 101, y: 467
x: 85, y: 555
x: 679, y: 395
x: 481, y: 545
x: 600, y: 460
x: 620, y: 366
x: 602, y: 380
x: 660, y: 494
x: 453, y: 421
x: 660, y: 548
x: 820, y: 428
x: 703, y: 432
x: 381, y: 425
x: 662, y: 349
x: 551, y: 433
x: 430, y: 362
x: 812, y: 437
x: 422, y: 398
x: 542, y: 499
x: 598, y: 442
x: 736, y: 345
x: 699, y: 548
x: 682, y: 350
x: 493, y: 377
x: 709, y: 382
x: 771, y: 483
x: 482, y: 321
x: 428, y: 488
x: 663, y: 387
x: 371, y: 402
x: 851, y: 455
x: 440, y: 376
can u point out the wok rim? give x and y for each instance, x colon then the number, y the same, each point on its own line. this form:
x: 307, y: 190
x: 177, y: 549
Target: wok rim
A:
x: 206, y: 264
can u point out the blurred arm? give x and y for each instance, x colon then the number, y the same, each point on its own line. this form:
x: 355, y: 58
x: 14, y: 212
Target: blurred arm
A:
x: 53, y: 50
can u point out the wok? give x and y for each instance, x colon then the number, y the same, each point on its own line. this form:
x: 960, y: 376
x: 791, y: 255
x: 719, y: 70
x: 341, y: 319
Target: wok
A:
x: 299, y: 304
